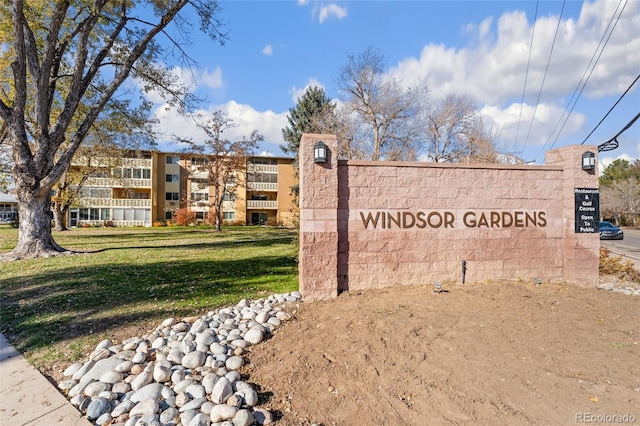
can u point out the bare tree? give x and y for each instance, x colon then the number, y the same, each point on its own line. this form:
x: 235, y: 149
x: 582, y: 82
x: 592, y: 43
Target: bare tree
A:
x: 223, y: 161
x: 387, y: 111
x: 93, y: 47
x: 456, y: 132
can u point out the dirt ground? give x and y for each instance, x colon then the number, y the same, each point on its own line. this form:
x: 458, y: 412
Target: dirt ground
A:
x: 476, y: 354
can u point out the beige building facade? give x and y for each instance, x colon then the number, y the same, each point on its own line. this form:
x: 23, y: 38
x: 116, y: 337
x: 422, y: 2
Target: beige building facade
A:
x: 150, y: 187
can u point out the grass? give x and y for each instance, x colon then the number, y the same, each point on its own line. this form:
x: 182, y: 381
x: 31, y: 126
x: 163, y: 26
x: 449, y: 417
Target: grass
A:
x: 135, y: 277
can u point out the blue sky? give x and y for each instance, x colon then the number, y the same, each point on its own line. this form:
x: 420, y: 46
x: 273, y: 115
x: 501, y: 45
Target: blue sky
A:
x: 478, y: 49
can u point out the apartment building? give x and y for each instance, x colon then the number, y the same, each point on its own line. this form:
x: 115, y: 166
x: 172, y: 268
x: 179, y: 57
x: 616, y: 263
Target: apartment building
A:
x: 8, y: 207
x: 145, y: 187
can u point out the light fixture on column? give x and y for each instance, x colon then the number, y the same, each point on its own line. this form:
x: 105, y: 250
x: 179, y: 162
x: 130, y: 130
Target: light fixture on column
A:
x: 320, y: 152
x: 588, y: 161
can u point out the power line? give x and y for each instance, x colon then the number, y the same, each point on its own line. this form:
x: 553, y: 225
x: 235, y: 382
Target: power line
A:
x: 526, y: 76
x: 545, y: 74
x: 590, y: 72
x: 612, y: 143
x: 609, y: 112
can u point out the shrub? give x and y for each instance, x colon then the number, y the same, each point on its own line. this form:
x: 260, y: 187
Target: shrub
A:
x: 184, y: 217
x: 159, y: 223
x: 613, y: 265
x: 272, y: 221
x: 109, y: 224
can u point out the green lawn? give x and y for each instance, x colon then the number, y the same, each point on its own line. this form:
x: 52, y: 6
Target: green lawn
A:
x: 134, y: 277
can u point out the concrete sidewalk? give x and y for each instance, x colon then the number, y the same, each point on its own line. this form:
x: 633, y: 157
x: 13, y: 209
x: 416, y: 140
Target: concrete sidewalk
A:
x: 27, y: 397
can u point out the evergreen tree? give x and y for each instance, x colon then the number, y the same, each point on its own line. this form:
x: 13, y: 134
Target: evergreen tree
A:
x: 314, y: 113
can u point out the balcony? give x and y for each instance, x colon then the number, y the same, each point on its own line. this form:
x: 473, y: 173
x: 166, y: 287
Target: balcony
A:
x: 262, y: 186
x: 113, y: 202
x: 119, y: 183
x: 263, y: 168
x: 140, y: 163
x: 262, y: 204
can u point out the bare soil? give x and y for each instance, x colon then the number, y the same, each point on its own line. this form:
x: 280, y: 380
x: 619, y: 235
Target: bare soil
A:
x: 477, y: 354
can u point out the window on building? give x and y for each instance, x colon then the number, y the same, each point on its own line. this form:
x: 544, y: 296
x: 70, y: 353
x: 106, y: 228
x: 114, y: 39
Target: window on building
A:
x: 259, y: 197
x: 137, y: 173
x: 263, y: 177
x: 168, y: 215
x: 172, y: 196
x: 228, y: 197
x: 146, y: 173
x: 201, y: 215
x: 172, y: 159
x: 261, y: 160
x: 199, y: 196
x: 172, y: 178
x: 229, y: 215
x: 199, y: 161
x: 94, y: 214
x: 126, y: 173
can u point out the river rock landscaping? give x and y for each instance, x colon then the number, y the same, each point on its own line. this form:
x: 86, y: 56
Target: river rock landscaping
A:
x: 186, y: 372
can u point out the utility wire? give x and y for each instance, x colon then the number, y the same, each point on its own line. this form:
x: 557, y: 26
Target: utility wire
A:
x: 590, y: 72
x: 612, y: 143
x: 545, y: 74
x: 526, y: 75
x: 609, y: 112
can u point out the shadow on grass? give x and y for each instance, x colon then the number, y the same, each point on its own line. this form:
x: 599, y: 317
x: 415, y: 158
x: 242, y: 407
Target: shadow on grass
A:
x: 49, y: 307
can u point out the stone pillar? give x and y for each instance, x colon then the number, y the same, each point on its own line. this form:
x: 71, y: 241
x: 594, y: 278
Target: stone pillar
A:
x: 581, y: 258
x: 318, y: 262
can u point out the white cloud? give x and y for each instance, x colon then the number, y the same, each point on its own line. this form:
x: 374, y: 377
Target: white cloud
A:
x: 604, y: 162
x: 247, y: 119
x: 298, y: 92
x: 493, y: 72
x: 303, y: 2
x: 212, y: 80
x: 267, y: 50
x: 543, y: 130
x: 332, y: 10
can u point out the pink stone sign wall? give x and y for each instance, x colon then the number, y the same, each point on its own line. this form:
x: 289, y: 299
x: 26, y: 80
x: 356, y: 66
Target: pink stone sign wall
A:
x: 377, y: 224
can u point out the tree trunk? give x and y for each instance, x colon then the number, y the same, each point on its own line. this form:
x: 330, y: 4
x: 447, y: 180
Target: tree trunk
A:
x: 59, y: 218
x: 34, y: 237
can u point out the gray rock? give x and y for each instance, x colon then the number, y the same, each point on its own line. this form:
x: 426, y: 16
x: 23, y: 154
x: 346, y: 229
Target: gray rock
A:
x: 243, y: 418
x: 234, y: 363
x: 83, y: 370
x: 71, y: 370
x: 121, y: 387
x: 221, y: 391
x: 162, y: 371
x: 141, y: 380
x: 605, y: 286
x: 67, y: 384
x: 254, y: 336
x: 207, y: 407
x: 200, y: 420
x: 150, y: 391
x: 94, y: 388
x: 123, y: 367
x: 169, y: 415
x: 250, y: 396
x: 262, y: 416
x: 122, y: 408
x: 101, y: 367
x: 222, y: 412
x: 187, y: 416
x: 145, y: 407
x: 209, y: 381
x: 194, y: 359
x: 104, y: 419
x: 98, y: 407
x: 194, y: 404
x: 196, y: 391
x: 111, y: 377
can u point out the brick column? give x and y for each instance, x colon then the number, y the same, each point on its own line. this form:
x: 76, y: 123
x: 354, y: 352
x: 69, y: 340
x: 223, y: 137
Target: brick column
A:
x: 318, y: 262
x: 581, y: 258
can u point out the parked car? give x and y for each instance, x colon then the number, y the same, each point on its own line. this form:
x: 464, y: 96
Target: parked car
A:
x: 608, y: 231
